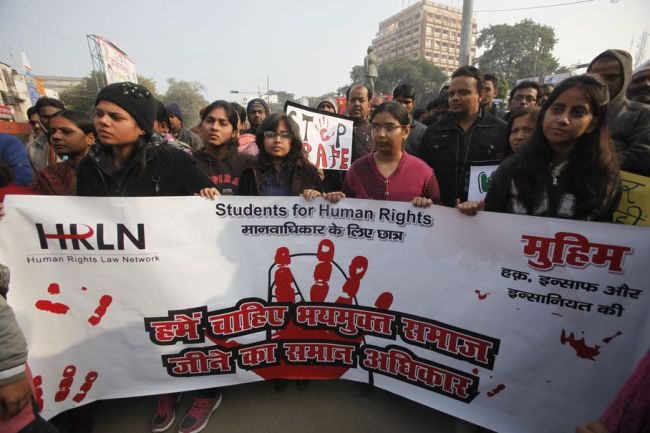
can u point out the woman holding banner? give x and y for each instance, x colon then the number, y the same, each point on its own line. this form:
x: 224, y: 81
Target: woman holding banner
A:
x: 569, y: 168
x: 282, y: 167
x: 127, y: 160
x: 389, y: 173
x: 220, y: 160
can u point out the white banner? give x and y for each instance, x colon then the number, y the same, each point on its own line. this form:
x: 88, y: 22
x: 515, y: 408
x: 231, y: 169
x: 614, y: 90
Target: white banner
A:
x: 117, y: 65
x: 480, y: 177
x: 518, y: 324
x: 327, y: 137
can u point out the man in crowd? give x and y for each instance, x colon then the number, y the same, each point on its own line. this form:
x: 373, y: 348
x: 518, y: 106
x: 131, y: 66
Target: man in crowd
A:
x: 437, y: 108
x: 545, y: 91
x: 405, y: 95
x: 375, y: 102
x: 629, y: 121
x: 491, y: 84
x: 358, y: 102
x: 256, y: 110
x: 639, y: 88
x: 466, y: 135
x: 34, y: 123
x: 523, y: 95
x: 179, y: 132
x: 39, y: 152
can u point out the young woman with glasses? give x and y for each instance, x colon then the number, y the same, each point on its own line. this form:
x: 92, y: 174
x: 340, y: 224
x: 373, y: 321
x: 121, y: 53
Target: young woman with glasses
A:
x: 389, y: 173
x: 282, y: 167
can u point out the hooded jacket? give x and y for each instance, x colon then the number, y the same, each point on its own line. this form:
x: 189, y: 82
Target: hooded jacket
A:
x: 629, y: 121
x: 224, y: 173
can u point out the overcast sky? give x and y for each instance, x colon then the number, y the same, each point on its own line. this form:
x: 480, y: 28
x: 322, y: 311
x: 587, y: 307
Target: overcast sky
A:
x: 304, y: 47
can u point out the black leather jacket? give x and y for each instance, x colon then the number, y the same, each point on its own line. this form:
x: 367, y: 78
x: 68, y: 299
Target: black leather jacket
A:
x: 450, y: 151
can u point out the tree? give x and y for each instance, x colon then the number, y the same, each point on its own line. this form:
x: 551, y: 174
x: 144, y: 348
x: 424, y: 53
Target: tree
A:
x: 188, y: 97
x: 419, y: 73
x: 150, y: 84
x: 81, y: 97
x: 518, y: 51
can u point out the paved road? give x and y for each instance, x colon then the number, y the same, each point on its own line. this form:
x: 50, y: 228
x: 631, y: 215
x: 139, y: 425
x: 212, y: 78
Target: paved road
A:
x: 325, y: 406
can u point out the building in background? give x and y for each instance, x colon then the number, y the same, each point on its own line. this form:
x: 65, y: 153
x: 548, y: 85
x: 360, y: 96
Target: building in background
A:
x: 14, y: 95
x: 57, y: 84
x: 425, y: 30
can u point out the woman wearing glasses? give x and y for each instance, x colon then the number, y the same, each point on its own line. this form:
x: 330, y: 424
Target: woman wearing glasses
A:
x: 389, y: 173
x: 282, y: 167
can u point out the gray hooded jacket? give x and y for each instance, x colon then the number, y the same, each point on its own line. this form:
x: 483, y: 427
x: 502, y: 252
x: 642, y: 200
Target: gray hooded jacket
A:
x: 629, y: 121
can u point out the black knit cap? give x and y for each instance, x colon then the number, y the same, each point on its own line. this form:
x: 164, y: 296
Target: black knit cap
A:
x: 134, y: 99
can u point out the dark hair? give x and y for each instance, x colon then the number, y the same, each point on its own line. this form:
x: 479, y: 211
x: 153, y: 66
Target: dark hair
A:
x: 347, y: 92
x: 396, y: 110
x: 470, y: 71
x: 241, y: 111
x: 162, y: 115
x: 81, y: 120
x: 231, y: 113
x: 296, y: 158
x: 418, y: 112
x: 31, y: 111
x: 48, y: 102
x: 493, y: 78
x: 404, y: 91
x: 592, y: 168
x: 547, y: 85
x: 525, y: 85
x: 441, y: 99
x: 532, y: 111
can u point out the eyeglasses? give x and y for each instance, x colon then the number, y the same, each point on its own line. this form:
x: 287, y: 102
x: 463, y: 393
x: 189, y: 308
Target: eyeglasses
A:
x: 272, y: 134
x: 527, y: 98
x: 388, y: 127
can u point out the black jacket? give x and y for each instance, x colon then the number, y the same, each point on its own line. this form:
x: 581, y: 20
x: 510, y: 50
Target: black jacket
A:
x: 450, y: 151
x: 153, y: 169
x: 303, y: 178
x: 556, y: 203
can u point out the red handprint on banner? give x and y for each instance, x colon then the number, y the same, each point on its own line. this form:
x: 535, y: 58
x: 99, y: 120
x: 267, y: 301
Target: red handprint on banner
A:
x: 65, y: 385
x: 322, y: 126
x: 284, y: 288
x: 62, y: 309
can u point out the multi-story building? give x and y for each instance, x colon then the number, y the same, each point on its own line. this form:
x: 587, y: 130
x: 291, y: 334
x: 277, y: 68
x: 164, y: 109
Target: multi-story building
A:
x: 14, y: 96
x: 425, y: 30
x: 58, y: 83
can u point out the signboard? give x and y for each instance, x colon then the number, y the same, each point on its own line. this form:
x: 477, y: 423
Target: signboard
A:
x: 634, y: 207
x: 117, y: 65
x: 327, y: 137
x: 480, y: 178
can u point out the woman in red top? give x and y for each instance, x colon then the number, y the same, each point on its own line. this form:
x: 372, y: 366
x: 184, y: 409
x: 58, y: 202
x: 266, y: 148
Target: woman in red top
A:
x: 389, y: 173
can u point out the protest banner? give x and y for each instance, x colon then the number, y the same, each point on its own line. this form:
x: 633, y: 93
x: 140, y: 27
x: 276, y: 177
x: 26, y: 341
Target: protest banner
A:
x: 327, y: 137
x: 480, y: 178
x: 634, y: 207
x: 515, y: 323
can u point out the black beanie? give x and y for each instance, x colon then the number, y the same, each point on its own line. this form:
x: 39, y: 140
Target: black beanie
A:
x: 134, y: 99
x: 255, y: 102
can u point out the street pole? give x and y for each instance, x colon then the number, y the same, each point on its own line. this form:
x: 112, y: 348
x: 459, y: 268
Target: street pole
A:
x: 466, y: 33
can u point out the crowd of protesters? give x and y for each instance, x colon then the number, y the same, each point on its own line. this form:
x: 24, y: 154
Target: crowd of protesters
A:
x: 560, y: 149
